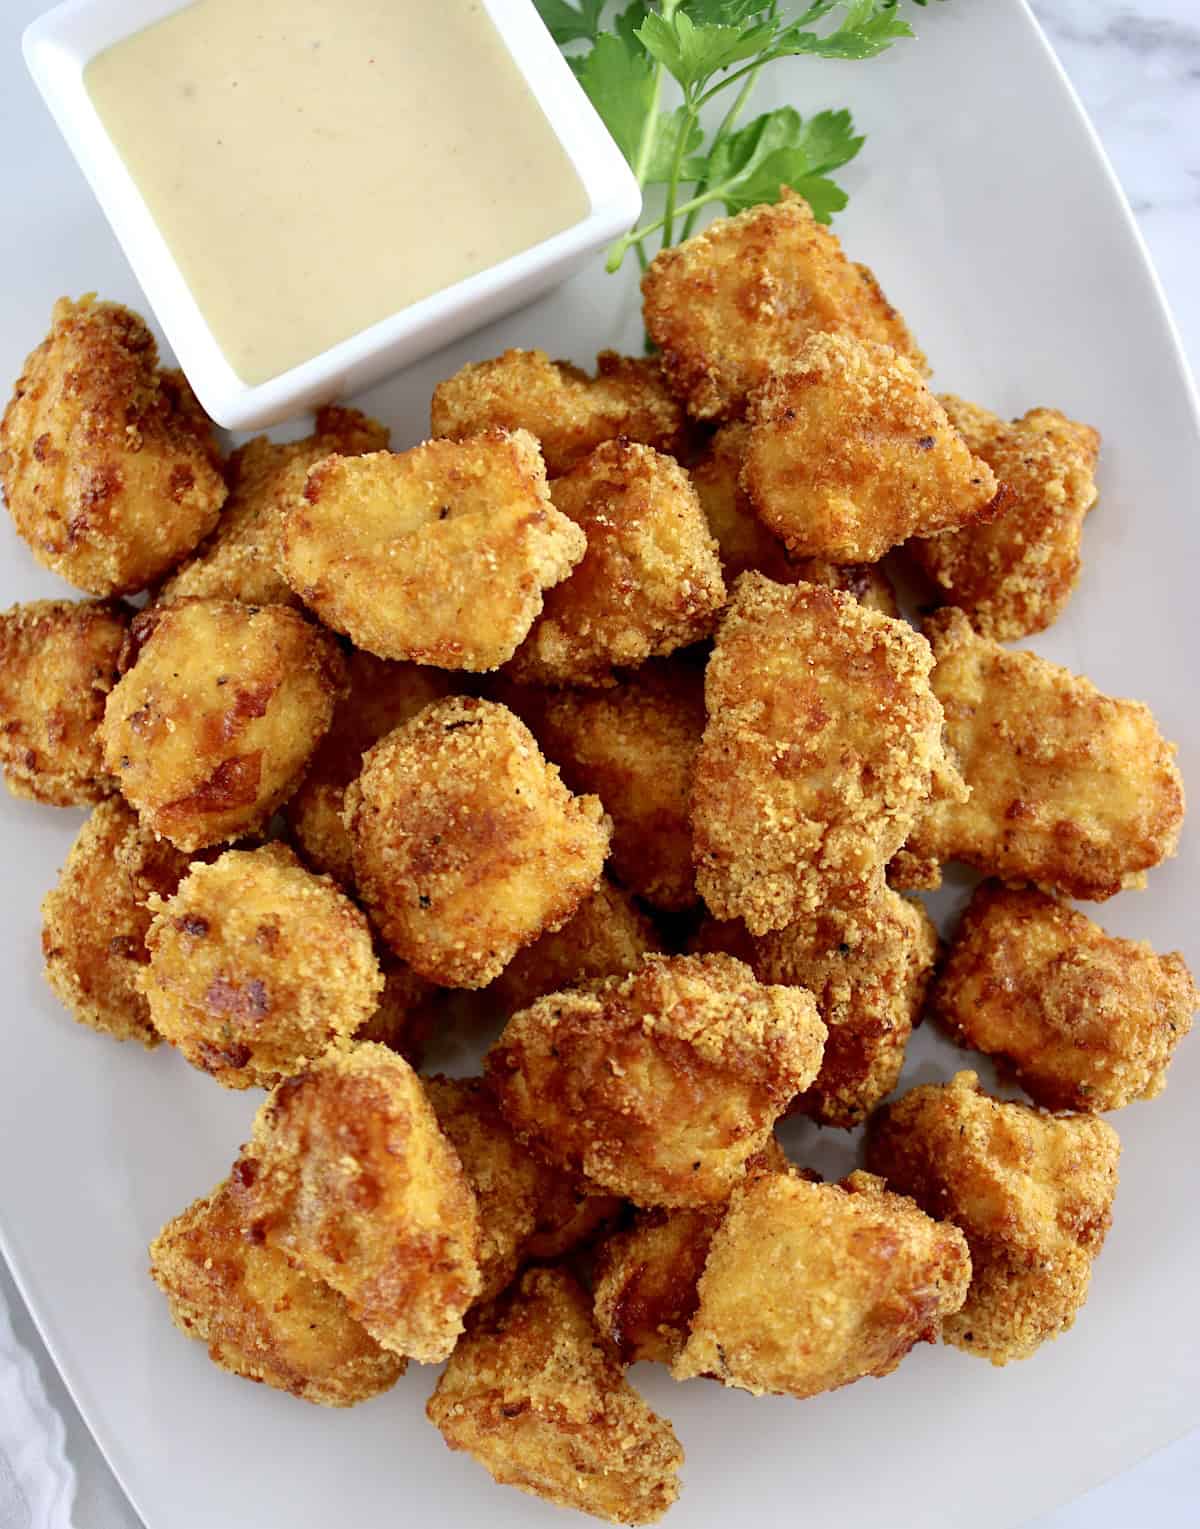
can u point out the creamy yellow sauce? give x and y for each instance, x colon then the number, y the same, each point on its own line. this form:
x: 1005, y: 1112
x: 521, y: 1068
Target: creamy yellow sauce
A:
x: 315, y: 165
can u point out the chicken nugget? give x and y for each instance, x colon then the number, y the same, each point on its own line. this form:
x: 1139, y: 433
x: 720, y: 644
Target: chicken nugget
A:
x: 728, y: 306
x: 1069, y: 788
x: 849, y: 454
x: 568, y: 412
x: 1087, y: 1021
x: 1013, y: 575
x: 407, y: 1012
x: 808, y: 1287
x: 108, y: 467
x: 349, y: 1175
x: 241, y: 559
x: 95, y: 920
x: 259, y: 1317
x: 256, y: 965
x: 440, y: 554
x: 820, y: 751
x: 646, y: 1279
x: 218, y: 711
x: 535, y: 1393
x: 659, y: 1085
x: 572, y: 1212
x: 467, y: 845
x: 1033, y: 1193
x: 649, y: 583
x: 58, y: 661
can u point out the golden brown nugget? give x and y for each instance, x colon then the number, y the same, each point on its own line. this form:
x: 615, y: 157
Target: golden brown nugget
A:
x: 1086, y: 1021
x: 809, y: 1287
x: 349, y: 1175
x: 108, y: 466
x: 646, y: 1279
x: 58, y: 661
x: 259, y: 1317
x: 382, y: 695
x: 1070, y: 788
x: 572, y: 1212
x: 407, y: 1013
x: 728, y: 306
x: 649, y: 583
x: 820, y: 751
x: 660, y: 1085
x: 1013, y: 575
x: 218, y: 711
x: 1032, y: 1192
x: 467, y: 845
x: 849, y: 454
x: 241, y: 559
x: 537, y: 1396
x: 440, y: 554
x: 569, y: 412
x: 95, y: 920
x: 256, y: 966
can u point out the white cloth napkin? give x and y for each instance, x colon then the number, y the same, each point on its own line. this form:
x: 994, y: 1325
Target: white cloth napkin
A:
x: 37, y: 1482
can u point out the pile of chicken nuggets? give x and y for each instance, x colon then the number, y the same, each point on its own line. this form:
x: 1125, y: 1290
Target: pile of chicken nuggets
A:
x: 597, y: 706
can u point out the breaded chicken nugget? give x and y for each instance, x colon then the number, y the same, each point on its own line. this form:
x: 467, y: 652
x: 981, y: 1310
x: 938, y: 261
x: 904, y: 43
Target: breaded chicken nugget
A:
x: 382, y: 695
x: 220, y: 707
x: 1087, y: 1021
x: 649, y: 583
x: 440, y: 554
x: 256, y: 965
x: 728, y: 306
x: 1069, y: 788
x: 808, y: 1287
x: 659, y: 1085
x: 1033, y: 1192
x: 645, y: 1281
x: 849, y: 454
x: 261, y: 1318
x: 348, y: 1174
x: 572, y: 1212
x: 58, y: 661
x: 241, y: 559
x: 569, y: 412
x: 467, y: 845
x: 407, y: 1012
x: 822, y: 741
x: 868, y: 971
x: 108, y: 467
x: 537, y: 1396
x: 95, y: 920
x: 1013, y: 575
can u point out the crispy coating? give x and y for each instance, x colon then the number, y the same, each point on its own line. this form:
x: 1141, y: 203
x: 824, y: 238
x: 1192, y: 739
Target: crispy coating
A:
x: 94, y: 922
x: 382, y: 695
x: 634, y: 746
x: 868, y: 971
x: 440, y: 554
x: 467, y: 845
x: 256, y: 965
x: 1032, y: 1192
x: 240, y: 560
x: 568, y: 412
x: 649, y: 583
x: 1087, y: 1021
x: 1014, y: 575
x: 645, y: 1281
x: 108, y: 465
x: 659, y: 1085
x: 259, y: 1317
x: 58, y: 661
x: 1070, y: 788
x: 349, y: 1175
x: 808, y: 1287
x: 821, y: 747
x: 849, y: 454
x: 218, y: 711
x: 537, y: 1396
x: 728, y: 306
x: 572, y: 1212
x: 407, y: 1013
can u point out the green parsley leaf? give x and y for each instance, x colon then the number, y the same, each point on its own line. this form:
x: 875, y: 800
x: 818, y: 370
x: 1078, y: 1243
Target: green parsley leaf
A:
x: 568, y: 24
x: 620, y: 85
x: 693, y: 54
x: 868, y: 28
x: 729, y: 13
x: 781, y: 148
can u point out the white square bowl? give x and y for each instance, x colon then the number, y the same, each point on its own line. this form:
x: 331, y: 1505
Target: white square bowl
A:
x: 58, y: 47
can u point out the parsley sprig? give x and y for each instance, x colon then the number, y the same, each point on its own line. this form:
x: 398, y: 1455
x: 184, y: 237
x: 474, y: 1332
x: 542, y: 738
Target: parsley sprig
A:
x: 708, y: 47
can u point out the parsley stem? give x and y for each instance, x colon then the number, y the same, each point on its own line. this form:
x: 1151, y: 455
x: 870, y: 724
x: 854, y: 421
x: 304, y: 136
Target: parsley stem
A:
x: 687, y: 120
x: 728, y: 123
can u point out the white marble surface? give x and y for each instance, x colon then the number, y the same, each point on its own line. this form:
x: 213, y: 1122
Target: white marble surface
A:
x: 1137, y: 69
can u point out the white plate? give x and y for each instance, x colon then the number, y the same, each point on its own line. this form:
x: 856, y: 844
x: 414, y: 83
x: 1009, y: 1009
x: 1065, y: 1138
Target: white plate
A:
x: 984, y: 204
